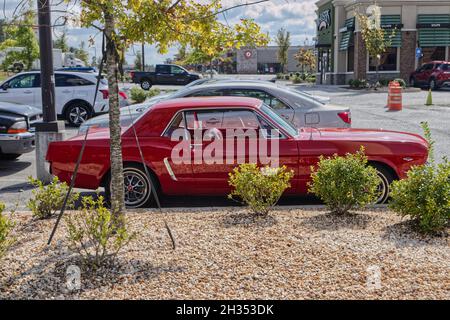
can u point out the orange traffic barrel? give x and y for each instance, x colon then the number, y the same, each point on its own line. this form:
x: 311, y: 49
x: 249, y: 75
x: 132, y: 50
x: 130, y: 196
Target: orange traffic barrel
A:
x: 394, y: 96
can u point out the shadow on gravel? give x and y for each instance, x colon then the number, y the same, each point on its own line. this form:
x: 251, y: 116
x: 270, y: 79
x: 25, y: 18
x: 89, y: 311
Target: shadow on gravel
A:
x: 330, y: 221
x: 8, y: 168
x: 247, y: 220
x: 407, y: 234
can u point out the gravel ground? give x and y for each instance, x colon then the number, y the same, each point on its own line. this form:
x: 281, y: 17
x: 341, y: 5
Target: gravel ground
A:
x: 222, y: 254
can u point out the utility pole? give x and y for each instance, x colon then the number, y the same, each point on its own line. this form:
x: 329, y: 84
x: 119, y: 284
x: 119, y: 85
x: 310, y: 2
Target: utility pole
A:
x: 143, y: 57
x: 50, y: 129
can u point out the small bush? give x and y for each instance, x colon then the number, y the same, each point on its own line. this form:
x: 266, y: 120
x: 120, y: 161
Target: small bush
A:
x: 280, y: 76
x: 138, y: 95
x: 425, y: 194
x: 296, y: 79
x: 6, y: 228
x: 96, y: 234
x: 351, y: 83
x: 344, y: 183
x: 259, y: 188
x: 401, y: 82
x: 47, y: 199
x: 153, y: 92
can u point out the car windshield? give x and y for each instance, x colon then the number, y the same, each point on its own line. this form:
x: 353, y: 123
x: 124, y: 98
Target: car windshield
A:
x: 279, y: 121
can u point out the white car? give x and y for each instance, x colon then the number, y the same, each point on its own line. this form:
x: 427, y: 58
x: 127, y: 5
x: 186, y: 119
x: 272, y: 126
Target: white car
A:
x: 74, y: 94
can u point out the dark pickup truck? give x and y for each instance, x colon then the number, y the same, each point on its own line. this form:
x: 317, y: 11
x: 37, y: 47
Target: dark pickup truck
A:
x: 164, y: 74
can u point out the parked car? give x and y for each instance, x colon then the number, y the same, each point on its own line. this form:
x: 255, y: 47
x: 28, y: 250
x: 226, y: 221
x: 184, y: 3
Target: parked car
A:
x: 391, y: 153
x: 74, y: 94
x: 16, y: 132
x: 433, y: 75
x: 164, y: 74
x: 301, y: 108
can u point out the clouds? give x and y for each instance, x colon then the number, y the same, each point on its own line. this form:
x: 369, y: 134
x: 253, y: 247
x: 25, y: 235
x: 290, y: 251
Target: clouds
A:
x: 297, y: 16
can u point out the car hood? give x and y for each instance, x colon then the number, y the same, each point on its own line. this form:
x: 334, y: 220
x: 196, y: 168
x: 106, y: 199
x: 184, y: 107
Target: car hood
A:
x: 375, y: 135
x: 20, y: 109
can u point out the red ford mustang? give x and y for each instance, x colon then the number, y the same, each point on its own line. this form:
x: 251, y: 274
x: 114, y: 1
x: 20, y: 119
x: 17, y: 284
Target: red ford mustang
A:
x: 181, y: 164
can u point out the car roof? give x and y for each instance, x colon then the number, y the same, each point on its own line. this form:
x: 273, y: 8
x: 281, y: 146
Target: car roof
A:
x: 236, y: 84
x: 215, y: 102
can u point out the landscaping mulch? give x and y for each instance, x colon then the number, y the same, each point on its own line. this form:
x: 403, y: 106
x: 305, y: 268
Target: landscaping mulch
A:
x: 226, y: 254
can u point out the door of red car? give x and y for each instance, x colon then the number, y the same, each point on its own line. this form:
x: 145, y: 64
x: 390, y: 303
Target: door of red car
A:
x: 424, y: 74
x: 229, y: 137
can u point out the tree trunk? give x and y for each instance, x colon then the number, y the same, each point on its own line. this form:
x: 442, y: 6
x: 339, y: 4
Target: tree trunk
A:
x: 117, y: 185
x: 210, y: 69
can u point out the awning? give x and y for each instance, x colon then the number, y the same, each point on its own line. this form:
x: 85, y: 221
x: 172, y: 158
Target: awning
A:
x: 346, y: 34
x: 392, y: 25
x: 434, y: 30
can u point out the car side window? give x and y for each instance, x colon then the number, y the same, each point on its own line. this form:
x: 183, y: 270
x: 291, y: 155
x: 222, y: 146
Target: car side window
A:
x: 164, y: 69
x: 206, y: 93
x: 204, y: 119
x: 177, y: 123
x: 239, y: 119
x: 445, y: 67
x: 176, y: 70
x: 267, y: 98
x: 23, y: 81
x: 68, y: 80
x: 428, y: 66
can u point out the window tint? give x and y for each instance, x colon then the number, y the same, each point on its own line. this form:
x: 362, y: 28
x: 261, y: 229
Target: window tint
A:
x: 68, y: 80
x: 176, y: 70
x: 163, y: 69
x: 177, y: 123
x: 207, y: 93
x: 23, y: 81
x: 388, y: 61
x: 261, y: 95
x: 445, y: 67
x: 428, y: 66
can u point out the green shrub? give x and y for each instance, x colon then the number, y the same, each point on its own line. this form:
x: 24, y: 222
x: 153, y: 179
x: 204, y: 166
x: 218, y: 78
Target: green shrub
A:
x: 153, y: 92
x: 344, y: 183
x: 138, y: 95
x: 96, y: 234
x: 351, y: 83
x: 280, y: 76
x: 296, y: 79
x: 311, y: 79
x: 384, y: 82
x: 259, y: 188
x: 47, y: 199
x: 6, y: 228
x: 401, y: 82
x: 425, y: 194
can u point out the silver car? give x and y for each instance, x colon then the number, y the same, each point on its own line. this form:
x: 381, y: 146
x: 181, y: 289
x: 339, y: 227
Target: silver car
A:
x: 300, y: 108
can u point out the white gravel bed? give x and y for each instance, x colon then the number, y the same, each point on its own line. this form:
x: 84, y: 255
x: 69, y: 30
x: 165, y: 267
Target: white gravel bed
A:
x: 221, y: 254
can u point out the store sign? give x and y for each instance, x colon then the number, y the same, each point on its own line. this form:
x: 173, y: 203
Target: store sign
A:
x: 248, y: 54
x: 392, y: 26
x: 433, y: 25
x: 324, y: 20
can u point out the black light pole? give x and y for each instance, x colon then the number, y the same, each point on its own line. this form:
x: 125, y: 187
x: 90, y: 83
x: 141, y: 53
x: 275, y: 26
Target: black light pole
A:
x: 143, y: 57
x: 50, y: 129
x: 46, y: 52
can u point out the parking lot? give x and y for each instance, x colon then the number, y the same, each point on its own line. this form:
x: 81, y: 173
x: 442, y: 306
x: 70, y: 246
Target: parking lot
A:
x: 368, y: 111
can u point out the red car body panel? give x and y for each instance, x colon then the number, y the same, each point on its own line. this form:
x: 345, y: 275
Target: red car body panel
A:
x: 437, y: 70
x: 397, y: 150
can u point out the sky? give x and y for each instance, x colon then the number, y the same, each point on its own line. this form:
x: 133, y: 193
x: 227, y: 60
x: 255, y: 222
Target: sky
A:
x: 296, y: 16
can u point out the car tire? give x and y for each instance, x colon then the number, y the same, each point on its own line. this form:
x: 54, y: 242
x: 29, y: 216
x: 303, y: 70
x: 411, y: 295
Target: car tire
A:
x: 412, y: 82
x: 433, y: 85
x: 386, y: 178
x: 138, y: 191
x: 146, y: 84
x: 9, y: 156
x: 77, y: 113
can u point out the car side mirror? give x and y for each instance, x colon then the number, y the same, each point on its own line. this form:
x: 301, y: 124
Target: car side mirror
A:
x: 5, y: 86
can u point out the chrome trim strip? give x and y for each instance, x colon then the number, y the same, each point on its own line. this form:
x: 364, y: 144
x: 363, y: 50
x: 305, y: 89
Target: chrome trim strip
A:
x: 169, y: 169
x: 17, y: 136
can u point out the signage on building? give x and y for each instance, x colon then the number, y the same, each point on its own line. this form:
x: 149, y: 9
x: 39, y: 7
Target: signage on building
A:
x: 418, y: 53
x: 324, y: 21
x: 392, y: 26
x: 248, y: 54
x: 433, y: 25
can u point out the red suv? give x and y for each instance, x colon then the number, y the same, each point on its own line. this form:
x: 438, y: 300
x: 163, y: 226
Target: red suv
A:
x: 435, y: 74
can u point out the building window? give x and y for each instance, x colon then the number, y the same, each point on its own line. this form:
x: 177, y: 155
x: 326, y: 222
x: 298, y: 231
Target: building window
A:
x: 388, y: 61
x: 350, y: 59
x: 433, y: 54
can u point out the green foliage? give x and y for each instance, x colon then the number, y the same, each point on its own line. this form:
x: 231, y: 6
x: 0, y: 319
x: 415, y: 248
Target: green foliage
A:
x: 358, y: 83
x: 138, y: 61
x: 259, y: 188
x: 297, y: 79
x: 139, y: 95
x: 425, y: 194
x: 401, y: 82
x: 96, y: 234
x: 47, y: 199
x: 61, y: 42
x: 344, y: 183
x: 82, y: 54
x: 20, y: 34
x: 283, y: 40
x: 6, y: 228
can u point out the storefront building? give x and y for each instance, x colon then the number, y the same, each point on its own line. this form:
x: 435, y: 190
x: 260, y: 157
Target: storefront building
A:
x: 410, y: 24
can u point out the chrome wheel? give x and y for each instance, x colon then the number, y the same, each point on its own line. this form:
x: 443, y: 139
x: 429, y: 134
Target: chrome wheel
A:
x: 383, y: 189
x: 433, y: 84
x: 78, y: 115
x: 146, y: 85
x: 137, y: 188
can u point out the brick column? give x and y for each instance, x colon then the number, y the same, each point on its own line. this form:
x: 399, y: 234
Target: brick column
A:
x: 408, y: 54
x: 360, y: 66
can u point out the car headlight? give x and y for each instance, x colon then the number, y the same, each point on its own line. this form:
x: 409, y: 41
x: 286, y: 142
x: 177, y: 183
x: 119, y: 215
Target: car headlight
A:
x: 18, y: 127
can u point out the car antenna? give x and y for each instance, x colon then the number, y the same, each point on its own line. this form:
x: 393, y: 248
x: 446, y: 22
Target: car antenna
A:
x: 153, y: 189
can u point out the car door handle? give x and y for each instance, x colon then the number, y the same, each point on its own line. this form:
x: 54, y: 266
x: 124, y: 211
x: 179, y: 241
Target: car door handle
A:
x: 28, y: 91
x: 66, y: 91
